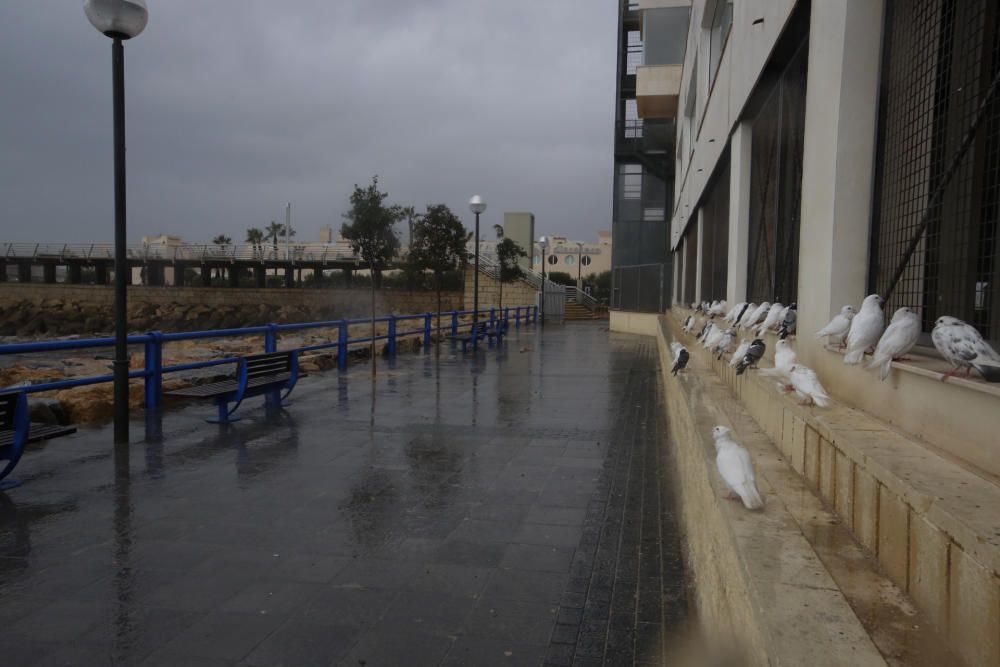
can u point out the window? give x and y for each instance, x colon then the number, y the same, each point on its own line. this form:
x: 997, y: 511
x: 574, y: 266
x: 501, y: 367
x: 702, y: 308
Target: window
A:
x: 537, y: 260
x: 585, y: 260
x: 570, y: 260
x: 722, y: 22
x: 776, y: 186
x: 939, y: 58
x: 715, y: 243
x: 553, y: 259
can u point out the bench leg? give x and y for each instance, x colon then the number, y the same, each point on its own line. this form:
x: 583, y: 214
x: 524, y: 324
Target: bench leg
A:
x: 273, y: 398
x: 224, y: 413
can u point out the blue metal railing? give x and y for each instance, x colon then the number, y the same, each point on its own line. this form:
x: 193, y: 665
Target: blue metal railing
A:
x: 153, y: 342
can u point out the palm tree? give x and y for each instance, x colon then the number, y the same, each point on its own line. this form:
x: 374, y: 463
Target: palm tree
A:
x: 272, y: 231
x: 222, y: 241
x: 255, y: 237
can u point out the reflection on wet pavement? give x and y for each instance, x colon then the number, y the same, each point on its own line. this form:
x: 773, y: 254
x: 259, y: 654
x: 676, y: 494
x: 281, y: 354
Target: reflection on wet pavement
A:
x: 499, y: 509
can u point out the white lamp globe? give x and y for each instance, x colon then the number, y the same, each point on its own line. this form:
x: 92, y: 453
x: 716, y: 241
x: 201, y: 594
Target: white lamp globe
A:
x: 123, y: 19
x: 476, y: 204
x: 543, y: 242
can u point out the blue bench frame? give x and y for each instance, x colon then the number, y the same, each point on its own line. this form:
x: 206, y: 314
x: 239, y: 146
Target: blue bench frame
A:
x: 484, y: 330
x: 16, y: 431
x: 256, y: 374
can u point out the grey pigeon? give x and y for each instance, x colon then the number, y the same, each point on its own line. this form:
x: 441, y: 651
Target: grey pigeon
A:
x: 681, y: 356
x: 787, y: 327
x: 963, y: 346
x: 753, y: 354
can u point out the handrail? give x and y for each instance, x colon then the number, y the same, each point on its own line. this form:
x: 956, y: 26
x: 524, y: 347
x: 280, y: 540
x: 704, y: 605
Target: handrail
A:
x: 154, y: 341
x: 191, y: 252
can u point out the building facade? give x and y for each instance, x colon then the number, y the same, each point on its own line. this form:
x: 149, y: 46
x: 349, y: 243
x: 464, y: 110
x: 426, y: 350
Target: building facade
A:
x: 577, y: 258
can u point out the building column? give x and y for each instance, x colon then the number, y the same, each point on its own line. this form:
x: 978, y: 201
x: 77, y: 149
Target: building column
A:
x: 838, y: 166
x: 206, y: 275
x: 233, y: 273
x: 289, y: 277
x: 739, y: 213
x: 101, y: 274
x: 3, y: 270
x: 699, y: 259
x: 48, y: 273
x: 260, y: 275
x: 75, y: 273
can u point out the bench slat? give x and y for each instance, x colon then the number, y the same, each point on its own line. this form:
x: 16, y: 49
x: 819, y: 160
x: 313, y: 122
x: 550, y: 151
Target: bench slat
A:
x: 228, y: 386
x: 37, y: 433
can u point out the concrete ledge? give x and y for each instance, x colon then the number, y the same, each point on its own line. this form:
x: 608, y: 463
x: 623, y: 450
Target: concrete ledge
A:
x: 932, y: 524
x: 646, y: 324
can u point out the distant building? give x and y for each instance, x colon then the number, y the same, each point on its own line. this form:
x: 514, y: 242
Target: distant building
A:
x: 575, y: 257
x: 520, y: 227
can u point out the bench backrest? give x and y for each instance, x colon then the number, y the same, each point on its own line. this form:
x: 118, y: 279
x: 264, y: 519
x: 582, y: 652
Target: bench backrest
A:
x: 270, y: 363
x: 8, y: 408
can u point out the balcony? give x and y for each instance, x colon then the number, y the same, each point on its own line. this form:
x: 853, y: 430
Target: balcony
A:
x: 657, y: 89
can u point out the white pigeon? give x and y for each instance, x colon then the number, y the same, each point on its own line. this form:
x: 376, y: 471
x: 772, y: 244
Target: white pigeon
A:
x: 775, y: 314
x: 963, y: 347
x: 838, y: 327
x: 866, y: 328
x: 717, y: 308
x: 807, y: 386
x: 784, y: 359
x: 738, y: 354
x: 758, y: 313
x: 724, y: 343
x: 736, y: 468
x: 731, y: 315
x: 899, y: 338
x: 747, y: 312
x: 706, y: 332
x: 714, y: 338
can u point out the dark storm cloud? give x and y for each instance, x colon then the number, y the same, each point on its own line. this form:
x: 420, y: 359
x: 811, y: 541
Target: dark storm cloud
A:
x: 236, y: 106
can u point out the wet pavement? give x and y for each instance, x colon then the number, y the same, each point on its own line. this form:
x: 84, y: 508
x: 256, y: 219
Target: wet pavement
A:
x: 509, y: 508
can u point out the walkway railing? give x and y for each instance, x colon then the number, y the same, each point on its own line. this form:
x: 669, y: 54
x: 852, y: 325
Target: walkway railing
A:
x: 154, y: 341
x: 194, y: 252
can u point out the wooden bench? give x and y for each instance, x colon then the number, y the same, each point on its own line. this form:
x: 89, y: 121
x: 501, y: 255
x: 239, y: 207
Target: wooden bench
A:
x: 16, y: 431
x: 268, y: 374
x: 482, y: 330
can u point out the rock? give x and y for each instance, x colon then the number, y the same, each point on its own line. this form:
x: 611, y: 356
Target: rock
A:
x: 47, y: 411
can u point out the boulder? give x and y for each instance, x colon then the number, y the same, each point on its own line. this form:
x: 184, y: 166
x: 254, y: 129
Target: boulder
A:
x: 47, y: 411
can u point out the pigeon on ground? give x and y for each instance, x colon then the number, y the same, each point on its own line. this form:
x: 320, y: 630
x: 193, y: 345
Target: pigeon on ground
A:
x: 681, y: 356
x: 724, y: 343
x: 771, y: 318
x: 744, y: 319
x: 736, y: 468
x: 837, y: 328
x: 738, y: 354
x: 787, y: 327
x: 734, y: 311
x: 899, y: 338
x: 753, y: 354
x: 807, y: 386
x: 963, y: 346
x: 866, y: 328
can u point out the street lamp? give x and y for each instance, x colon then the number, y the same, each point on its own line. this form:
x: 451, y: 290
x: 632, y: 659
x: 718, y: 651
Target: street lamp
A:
x: 543, y: 244
x: 477, y: 206
x: 119, y: 20
x: 579, y: 266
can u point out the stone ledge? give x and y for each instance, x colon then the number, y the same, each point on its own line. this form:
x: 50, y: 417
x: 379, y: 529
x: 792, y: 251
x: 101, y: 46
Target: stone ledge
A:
x: 757, y: 579
x: 932, y: 523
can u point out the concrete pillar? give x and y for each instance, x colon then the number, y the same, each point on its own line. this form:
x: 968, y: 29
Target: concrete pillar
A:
x: 101, y: 274
x: 3, y: 271
x: 179, y: 274
x: 233, y: 273
x: 289, y: 277
x: 700, y: 222
x: 348, y: 277
x: 206, y: 276
x: 260, y: 276
x: 838, y: 165
x: 739, y: 213
x: 24, y: 272
x: 49, y: 273
x: 74, y: 273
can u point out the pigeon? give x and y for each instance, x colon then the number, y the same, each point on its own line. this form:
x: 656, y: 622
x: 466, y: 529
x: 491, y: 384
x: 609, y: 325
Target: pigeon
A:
x: 753, y: 354
x: 838, y: 327
x: 709, y: 329
x: 724, y: 343
x: 704, y: 330
x: 738, y: 354
x: 773, y: 317
x: 899, y: 338
x: 787, y: 327
x: 714, y: 338
x: 784, y: 359
x: 757, y: 314
x: 807, y: 386
x: 736, y: 468
x: 734, y: 312
x: 963, y: 347
x: 681, y: 356
x: 866, y: 328
x: 687, y: 321
x: 744, y: 318
x: 717, y: 308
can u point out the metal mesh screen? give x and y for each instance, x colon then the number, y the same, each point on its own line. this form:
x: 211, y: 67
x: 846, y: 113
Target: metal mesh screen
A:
x: 776, y: 186
x: 690, y: 262
x: 715, y: 245
x: 940, y: 56
x: 643, y: 288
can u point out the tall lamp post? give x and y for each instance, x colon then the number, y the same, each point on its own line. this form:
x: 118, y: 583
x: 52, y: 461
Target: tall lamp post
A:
x: 579, y: 266
x: 543, y: 244
x: 120, y: 20
x: 477, y: 206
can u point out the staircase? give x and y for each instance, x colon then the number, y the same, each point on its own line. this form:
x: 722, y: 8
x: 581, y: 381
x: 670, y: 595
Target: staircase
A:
x: 582, y: 306
x: 575, y: 311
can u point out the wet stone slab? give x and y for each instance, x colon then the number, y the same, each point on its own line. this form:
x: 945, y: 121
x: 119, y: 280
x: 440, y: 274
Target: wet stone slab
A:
x: 500, y: 509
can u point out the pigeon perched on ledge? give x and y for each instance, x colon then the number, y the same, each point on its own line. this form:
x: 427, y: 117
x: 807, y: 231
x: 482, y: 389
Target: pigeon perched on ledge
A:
x: 837, y: 328
x: 899, y: 338
x: 807, y: 386
x: 775, y: 314
x: 866, y: 328
x: 739, y: 353
x: 787, y: 326
x: 753, y: 354
x: 963, y: 347
x: 681, y: 356
x: 736, y: 468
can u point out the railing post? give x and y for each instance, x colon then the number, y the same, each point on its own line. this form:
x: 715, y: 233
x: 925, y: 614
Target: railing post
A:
x: 505, y: 318
x: 454, y: 323
x: 517, y: 317
x: 342, y: 345
x: 427, y: 329
x: 271, y: 338
x: 392, y: 335
x: 535, y: 318
x: 493, y: 318
x: 154, y: 370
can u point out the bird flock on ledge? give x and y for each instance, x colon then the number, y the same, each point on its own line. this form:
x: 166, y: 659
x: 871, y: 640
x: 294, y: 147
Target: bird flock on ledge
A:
x: 854, y: 331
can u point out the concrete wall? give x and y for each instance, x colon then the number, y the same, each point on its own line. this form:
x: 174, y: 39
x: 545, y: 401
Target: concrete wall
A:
x: 520, y: 228
x: 646, y: 324
x: 517, y: 293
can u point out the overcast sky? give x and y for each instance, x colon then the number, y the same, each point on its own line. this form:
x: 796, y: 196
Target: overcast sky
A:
x: 237, y: 106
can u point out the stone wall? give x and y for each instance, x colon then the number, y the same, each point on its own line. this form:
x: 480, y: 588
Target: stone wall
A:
x: 43, y: 309
x: 517, y: 293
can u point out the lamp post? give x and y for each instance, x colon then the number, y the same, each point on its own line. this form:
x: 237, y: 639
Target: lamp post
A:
x: 120, y: 20
x: 477, y: 206
x: 579, y: 266
x: 543, y: 243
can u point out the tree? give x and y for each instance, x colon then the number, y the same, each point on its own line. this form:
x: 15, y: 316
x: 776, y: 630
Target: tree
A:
x: 561, y: 278
x: 272, y: 232
x: 222, y: 241
x: 439, y: 240
x: 508, y: 252
x: 368, y: 227
x: 409, y: 213
x: 255, y: 237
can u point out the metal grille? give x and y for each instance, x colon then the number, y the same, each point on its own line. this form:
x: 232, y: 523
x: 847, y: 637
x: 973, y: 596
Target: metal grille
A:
x: 715, y: 245
x: 776, y: 186
x: 690, y: 262
x: 940, y: 56
x: 642, y: 288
